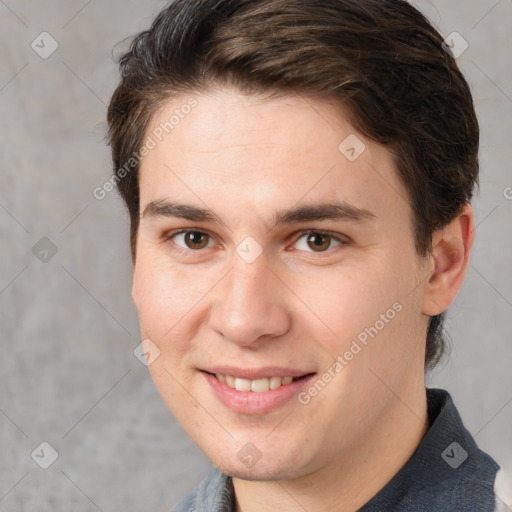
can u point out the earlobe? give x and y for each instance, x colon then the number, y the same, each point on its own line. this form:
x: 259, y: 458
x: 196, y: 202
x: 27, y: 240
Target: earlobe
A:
x: 451, y: 249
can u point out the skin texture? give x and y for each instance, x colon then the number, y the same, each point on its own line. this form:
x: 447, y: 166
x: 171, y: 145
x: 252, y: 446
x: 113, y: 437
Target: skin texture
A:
x: 246, y: 158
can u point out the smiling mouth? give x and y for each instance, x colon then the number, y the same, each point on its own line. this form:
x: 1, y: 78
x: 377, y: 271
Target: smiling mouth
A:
x: 257, y: 385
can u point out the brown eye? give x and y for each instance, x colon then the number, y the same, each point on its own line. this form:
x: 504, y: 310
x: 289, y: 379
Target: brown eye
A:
x: 318, y: 242
x: 196, y: 240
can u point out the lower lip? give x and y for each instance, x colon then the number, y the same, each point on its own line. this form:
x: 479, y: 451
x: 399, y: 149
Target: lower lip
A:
x: 250, y: 402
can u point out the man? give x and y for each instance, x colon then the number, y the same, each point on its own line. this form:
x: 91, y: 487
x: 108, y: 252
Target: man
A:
x: 298, y: 176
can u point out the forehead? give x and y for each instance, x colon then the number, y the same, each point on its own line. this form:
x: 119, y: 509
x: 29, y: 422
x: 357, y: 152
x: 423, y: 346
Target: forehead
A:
x: 258, y: 151
x: 242, y: 123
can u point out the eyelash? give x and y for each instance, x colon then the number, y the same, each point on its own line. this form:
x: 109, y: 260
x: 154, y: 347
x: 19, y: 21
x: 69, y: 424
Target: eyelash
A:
x: 342, y: 241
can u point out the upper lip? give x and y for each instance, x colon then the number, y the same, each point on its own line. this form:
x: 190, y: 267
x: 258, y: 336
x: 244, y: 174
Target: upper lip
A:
x: 257, y: 373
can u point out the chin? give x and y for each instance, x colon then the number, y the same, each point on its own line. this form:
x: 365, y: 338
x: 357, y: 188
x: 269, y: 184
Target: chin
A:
x: 256, y: 474
x: 261, y: 471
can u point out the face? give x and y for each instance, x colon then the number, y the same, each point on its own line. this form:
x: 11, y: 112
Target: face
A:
x: 275, y: 245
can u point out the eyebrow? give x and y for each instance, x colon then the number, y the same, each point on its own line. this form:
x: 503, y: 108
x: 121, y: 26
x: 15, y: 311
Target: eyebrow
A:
x: 162, y: 208
x: 324, y: 211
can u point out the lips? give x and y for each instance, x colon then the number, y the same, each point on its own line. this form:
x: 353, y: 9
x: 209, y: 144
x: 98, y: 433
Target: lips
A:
x: 255, y: 391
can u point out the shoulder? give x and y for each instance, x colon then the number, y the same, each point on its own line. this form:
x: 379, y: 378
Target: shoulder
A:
x: 464, y: 474
x: 447, y: 473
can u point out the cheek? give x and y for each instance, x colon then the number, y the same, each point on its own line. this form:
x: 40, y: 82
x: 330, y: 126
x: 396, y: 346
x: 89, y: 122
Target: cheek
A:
x: 384, y: 315
x: 373, y: 318
x: 349, y: 299
x: 370, y: 304
x: 169, y: 299
x: 158, y: 293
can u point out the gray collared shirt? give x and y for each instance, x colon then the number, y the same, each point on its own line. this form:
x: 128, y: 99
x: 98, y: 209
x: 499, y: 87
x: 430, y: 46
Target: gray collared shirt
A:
x: 446, y: 473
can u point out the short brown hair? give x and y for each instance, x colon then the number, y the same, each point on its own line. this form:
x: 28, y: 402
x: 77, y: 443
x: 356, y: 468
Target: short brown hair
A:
x: 381, y: 59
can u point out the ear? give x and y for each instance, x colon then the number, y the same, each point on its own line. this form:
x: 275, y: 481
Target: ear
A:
x: 451, y: 248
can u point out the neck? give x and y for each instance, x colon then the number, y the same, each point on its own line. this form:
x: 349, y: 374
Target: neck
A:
x: 351, y: 479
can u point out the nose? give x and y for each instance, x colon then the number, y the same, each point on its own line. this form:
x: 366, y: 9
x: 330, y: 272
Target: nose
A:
x: 250, y: 305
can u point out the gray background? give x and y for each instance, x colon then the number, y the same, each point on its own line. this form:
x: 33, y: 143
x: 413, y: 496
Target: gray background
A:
x: 68, y: 327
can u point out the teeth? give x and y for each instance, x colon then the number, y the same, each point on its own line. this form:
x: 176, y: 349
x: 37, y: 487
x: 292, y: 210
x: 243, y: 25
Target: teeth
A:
x: 257, y: 385
x: 260, y: 385
x: 242, y: 384
x: 275, y: 382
